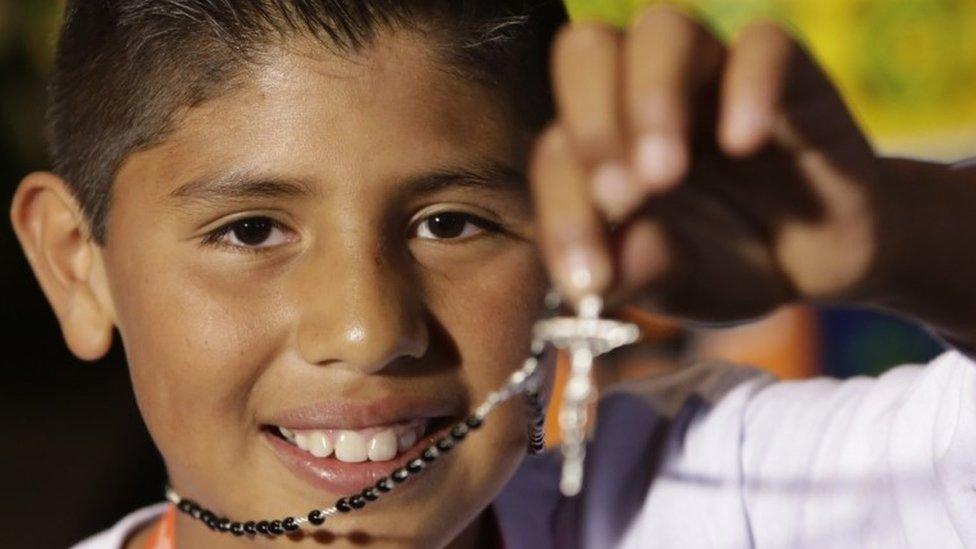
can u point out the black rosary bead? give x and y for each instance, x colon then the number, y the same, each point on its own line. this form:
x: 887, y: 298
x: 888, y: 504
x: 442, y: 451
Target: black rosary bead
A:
x: 430, y: 454
x: 473, y: 422
x: 343, y: 505
x: 400, y: 475
x: 262, y: 527
x: 371, y: 494
x: 459, y: 431
x: 289, y: 524
x: 209, y: 519
x: 249, y: 528
x: 384, y: 485
x: 275, y: 528
x: 357, y: 501
x: 415, y: 466
x: 237, y: 529
x: 316, y: 517
x: 445, y: 444
x: 185, y: 505
x: 223, y: 524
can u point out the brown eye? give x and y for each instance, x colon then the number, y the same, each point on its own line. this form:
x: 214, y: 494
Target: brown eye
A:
x: 252, y: 232
x: 249, y: 233
x: 452, y: 226
x: 446, y: 225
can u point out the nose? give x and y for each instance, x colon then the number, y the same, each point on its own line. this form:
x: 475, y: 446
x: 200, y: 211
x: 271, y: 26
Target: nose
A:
x: 359, y: 312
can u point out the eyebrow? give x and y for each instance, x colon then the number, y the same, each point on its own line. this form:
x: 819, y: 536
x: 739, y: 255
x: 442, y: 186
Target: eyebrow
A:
x: 489, y: 175
x: 240, y: 186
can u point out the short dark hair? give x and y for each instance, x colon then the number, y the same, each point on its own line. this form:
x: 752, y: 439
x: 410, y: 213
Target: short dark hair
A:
x: 124, y: 67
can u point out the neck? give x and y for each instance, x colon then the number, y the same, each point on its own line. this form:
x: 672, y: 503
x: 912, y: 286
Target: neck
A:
x: 482, y: 533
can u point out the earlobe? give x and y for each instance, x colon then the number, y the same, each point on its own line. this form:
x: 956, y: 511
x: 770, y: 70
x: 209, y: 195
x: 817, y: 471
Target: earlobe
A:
x: 54, y: 236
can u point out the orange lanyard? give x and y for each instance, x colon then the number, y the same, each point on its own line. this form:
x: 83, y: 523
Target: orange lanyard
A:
x: 162, y: 536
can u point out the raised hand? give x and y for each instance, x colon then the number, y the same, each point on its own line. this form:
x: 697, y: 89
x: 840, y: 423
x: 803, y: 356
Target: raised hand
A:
x: 704, y: 180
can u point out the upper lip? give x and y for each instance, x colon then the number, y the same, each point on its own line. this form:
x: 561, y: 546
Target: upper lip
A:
x: 348, y: 414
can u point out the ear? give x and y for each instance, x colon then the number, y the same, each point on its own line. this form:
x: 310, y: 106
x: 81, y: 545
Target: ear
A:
x: 66, y: 261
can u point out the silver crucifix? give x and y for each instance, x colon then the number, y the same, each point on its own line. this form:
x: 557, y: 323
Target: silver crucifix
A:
x: 585, y: 337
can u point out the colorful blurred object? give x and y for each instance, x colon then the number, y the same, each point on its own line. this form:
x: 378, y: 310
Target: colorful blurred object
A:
x: 906, y: 67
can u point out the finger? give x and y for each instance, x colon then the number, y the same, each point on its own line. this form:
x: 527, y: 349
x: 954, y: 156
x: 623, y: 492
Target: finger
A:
x: 752, y: 87
x: 644, y: 259
x: 668, y: 57
x: 572, y: 235
x: 586, y: 82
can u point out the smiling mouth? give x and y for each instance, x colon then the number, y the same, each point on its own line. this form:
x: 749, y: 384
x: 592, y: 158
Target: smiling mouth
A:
x: 382, y: 443
x: 344, y: 446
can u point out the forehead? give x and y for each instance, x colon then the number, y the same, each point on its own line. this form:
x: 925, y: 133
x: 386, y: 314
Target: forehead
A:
x: 391, y: 110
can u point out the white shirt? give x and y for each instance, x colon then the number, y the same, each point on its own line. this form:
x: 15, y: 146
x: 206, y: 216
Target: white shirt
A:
x: 717, y: 456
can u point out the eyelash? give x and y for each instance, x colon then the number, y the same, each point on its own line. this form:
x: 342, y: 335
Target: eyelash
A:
x: 215, y: 237
x: 485, y: 225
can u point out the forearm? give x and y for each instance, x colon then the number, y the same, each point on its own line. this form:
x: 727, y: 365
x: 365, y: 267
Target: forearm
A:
x: 926, y: 255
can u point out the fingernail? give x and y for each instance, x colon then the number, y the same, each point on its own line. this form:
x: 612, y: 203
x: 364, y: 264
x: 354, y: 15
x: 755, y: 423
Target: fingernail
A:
x: 613, y: 189
x: 584, y: 273
x: 579, y: 270
x: 658, y: 160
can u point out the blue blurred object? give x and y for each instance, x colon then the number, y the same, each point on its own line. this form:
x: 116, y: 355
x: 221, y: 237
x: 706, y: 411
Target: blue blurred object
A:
x: 859, y: 342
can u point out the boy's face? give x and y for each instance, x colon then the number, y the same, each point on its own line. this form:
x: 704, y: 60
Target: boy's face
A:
x: 334, y: 245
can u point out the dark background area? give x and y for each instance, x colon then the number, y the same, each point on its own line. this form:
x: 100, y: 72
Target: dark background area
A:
x: 75, y: 453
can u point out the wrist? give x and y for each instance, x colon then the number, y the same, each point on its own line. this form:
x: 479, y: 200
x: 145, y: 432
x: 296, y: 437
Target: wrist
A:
x: 924, y: 263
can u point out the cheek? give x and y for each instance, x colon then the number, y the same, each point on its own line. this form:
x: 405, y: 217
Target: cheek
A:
x: 489, y: 311
x: 194, y: 349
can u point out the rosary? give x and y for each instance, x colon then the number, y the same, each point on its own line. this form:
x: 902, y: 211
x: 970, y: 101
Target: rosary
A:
x: 584, y: 337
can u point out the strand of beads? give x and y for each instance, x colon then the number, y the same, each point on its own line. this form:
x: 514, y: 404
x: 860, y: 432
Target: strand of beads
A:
x: 523, y: 380
x: 536, y: 410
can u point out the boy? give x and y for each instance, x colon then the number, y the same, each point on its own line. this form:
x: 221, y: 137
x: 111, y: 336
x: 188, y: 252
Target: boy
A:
x: 309, y: 224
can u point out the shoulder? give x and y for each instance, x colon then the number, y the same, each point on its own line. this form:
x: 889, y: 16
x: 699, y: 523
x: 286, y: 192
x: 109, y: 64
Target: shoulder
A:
x: 642, y: 426
x: 705, y: 382
x: 116, y: 536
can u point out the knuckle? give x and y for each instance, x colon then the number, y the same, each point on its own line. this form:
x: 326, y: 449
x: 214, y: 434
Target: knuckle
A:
x: 549, y: 147
x: 655, y: 110
x: 654, y: 17
x: 550, y: 142
x: 768, y: 31
x: 595, y: 139
x: 583, y: 38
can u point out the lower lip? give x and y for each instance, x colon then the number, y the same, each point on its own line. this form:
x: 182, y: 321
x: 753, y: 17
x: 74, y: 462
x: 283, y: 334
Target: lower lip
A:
x: 338, y: 477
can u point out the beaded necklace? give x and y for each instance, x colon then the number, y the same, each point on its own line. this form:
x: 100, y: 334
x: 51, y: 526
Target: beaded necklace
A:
x: 584, y: 337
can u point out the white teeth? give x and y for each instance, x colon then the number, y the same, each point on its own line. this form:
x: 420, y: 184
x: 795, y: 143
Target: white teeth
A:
x: 383, y: 446
x: 319, y: 444
x: 407, y: 440
x: 373, y: 443
x: 350, y: 447
x: 287, y: 433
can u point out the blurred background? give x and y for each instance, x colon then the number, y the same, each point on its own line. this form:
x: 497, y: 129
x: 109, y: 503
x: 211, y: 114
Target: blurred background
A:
x: 78, y: 456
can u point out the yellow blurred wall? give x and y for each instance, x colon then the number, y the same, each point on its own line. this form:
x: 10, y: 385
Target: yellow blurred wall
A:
x: 906, y: 67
